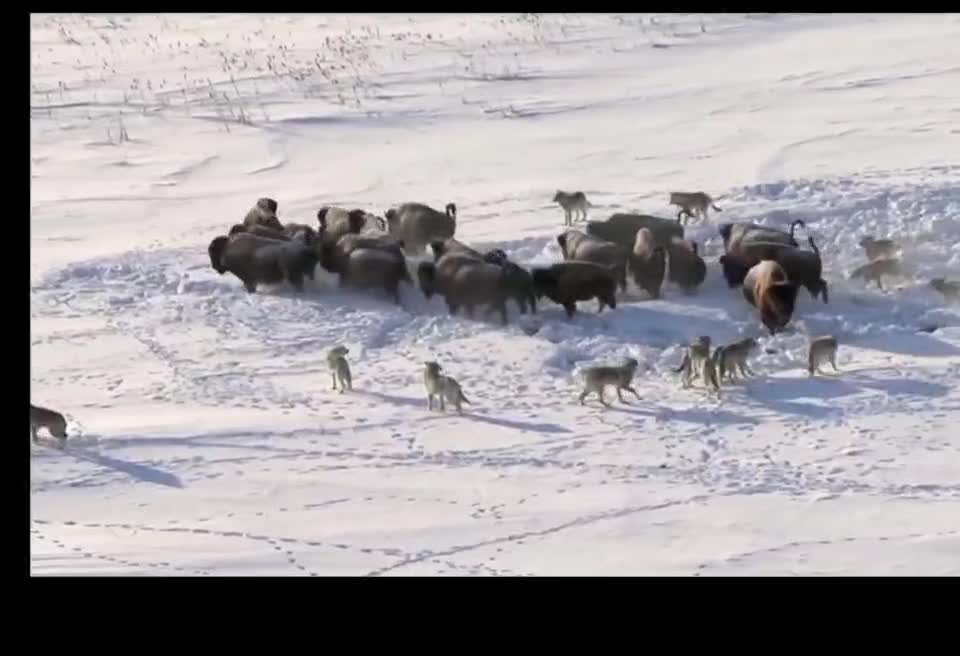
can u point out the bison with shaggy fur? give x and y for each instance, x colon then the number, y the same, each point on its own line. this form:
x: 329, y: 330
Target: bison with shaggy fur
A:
x: 519, y: 285
x: 335, y: 222
x: 366, y: 268
x: 419, y: 225
x: 647, y: 263
x: 259, y: 231
x: 622, y: 228
x: 465, y: 281
x: 576, y: 245
x: 495, y: 256
x: 451, y: 245
x: 768, y: 289
x: 803, y: 267
x: 746, y: 244
x: 255, y: 260
x: 687, y: 269
x: 264, y: 213
x: 732, y: 233
x: 517, y: 280
x: 301, y: 231
x: 565, y: 283
x: 737, y: 262
x: 333, y: 256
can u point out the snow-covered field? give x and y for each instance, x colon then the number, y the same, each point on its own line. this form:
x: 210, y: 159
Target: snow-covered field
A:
x: 206, y: 440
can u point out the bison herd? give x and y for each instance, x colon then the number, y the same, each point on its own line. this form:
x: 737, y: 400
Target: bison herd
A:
x: 370, y: 252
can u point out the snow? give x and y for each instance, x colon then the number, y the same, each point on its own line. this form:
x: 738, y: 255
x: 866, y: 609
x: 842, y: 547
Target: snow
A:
x: 205, y: 438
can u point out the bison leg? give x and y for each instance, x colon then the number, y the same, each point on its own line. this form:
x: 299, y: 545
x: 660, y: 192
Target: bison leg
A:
x: 500, y: 307
x: 452, y: 307
x: 570, y: 309
x: 600, y: 305
x: 296, y: 279
x: 521, y: 303
x: 249, y: 285
x: 533, y: 304
x: 393, y: 289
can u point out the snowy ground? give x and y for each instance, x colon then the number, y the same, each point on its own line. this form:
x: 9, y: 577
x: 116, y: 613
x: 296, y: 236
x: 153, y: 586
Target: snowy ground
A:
x: 208, y: 440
